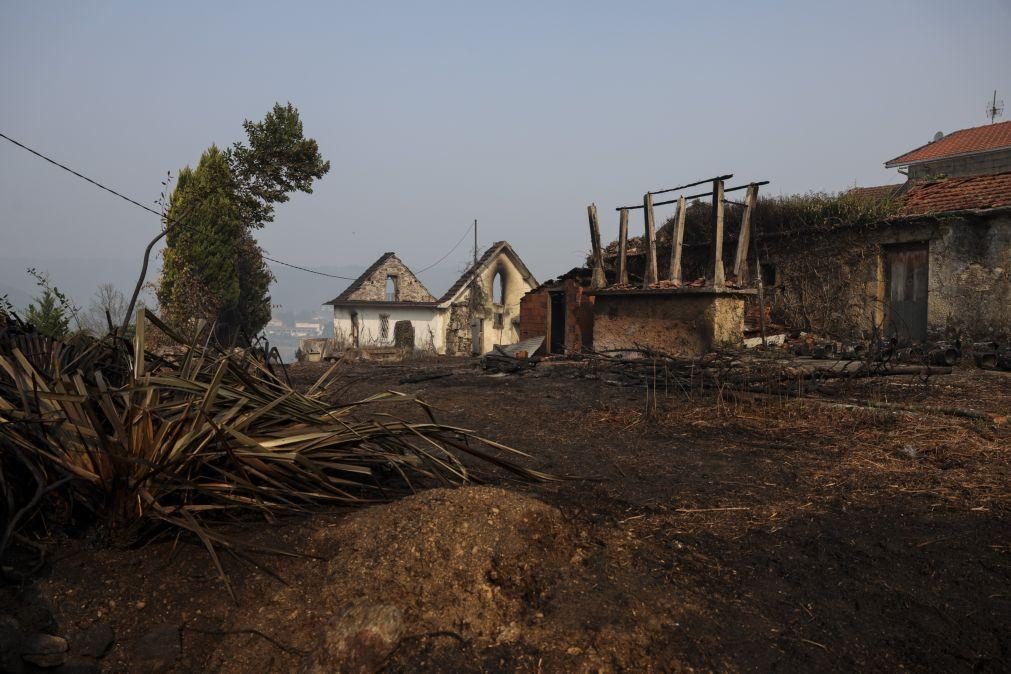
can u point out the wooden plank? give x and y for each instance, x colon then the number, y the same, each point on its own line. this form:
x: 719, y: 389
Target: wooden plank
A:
x: 623, y: 246
x: 677, y: 243
x: 696, y: 196
x: 138, y: 345
x: 744, y: 238
x: 598, y: 280
x: 649, y: 274
x: 715, y: 276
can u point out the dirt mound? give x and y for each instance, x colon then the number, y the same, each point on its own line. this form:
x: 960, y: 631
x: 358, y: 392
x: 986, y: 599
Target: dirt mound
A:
x: 471, y: 560
x: 470, y: 564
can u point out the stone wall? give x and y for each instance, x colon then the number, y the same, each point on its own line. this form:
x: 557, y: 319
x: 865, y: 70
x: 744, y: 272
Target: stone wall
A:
x: 835, y: 283
x: 970, y: 279
x: 373, y: 288
x: 458, y: 338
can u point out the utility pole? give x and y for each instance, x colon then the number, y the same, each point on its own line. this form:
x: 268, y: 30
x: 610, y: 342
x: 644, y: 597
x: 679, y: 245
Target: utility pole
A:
x: 475, y: 242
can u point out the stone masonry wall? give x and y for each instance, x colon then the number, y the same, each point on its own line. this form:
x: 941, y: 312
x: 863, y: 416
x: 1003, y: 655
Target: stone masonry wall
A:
x: 410, y: 289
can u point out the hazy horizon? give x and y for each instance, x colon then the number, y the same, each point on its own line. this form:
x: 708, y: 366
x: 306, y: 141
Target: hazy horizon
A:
x: 518, y: 115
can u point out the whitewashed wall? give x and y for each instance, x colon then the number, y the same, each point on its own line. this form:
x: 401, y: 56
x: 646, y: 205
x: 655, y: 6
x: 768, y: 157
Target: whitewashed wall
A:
x: 429, y: 326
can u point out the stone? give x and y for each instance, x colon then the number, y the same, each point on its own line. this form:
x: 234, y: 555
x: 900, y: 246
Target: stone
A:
x: 357, y: 640
x: 158, y: 650
x: 44, y: 650
x: 96, y: 641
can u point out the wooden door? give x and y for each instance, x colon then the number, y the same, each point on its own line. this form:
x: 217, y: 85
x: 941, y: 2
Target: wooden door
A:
x: 906, y: 292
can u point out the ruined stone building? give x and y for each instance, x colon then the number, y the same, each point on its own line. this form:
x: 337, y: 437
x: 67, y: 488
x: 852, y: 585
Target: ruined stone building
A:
x: 388, y: 306
x: 925, y: 259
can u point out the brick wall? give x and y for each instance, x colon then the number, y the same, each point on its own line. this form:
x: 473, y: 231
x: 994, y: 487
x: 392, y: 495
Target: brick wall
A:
x: 534, y: 314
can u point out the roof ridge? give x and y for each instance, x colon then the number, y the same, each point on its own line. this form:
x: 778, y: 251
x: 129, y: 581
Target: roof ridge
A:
x: 1002, y: 140
x: 365, y: 275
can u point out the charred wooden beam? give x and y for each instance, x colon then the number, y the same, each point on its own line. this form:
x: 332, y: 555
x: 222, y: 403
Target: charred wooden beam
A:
x: 699, y: 182
x: 744, y: 238
x: 598, y: 279
x: 623, y: 246
x: 695, y: 196
x: 649, y: 275
x: 715, y: 275
x: 677, y: 243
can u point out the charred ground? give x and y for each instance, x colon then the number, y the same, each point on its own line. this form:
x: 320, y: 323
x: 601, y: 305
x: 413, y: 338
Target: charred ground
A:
x: 706, y: 531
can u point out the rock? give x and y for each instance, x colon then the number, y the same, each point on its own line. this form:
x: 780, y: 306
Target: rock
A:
x: 96, y: 641
x: 158, y: 650
x: 44, y: 650
x: 357, y: 641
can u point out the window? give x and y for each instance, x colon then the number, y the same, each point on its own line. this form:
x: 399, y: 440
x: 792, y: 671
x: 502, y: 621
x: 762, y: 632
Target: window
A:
x: 498, y: 289
x: 498, y: 320
x: 768, y: 273
x: 384, y: 326
x: 392, y: 289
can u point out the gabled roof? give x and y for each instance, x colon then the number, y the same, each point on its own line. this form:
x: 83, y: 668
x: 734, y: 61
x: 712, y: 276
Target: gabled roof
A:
x: 959, y: 194
x: 876, y: 193
x: 498, y: 247
x: 348, y: 296
x: 966, y: 141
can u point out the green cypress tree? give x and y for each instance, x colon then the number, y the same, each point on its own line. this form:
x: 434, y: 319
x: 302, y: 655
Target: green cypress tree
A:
x: 212, y: 266
x: 200, y: 274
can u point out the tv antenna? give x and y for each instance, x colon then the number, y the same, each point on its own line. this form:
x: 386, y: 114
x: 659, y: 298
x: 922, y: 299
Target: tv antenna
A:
x: 994, y: 108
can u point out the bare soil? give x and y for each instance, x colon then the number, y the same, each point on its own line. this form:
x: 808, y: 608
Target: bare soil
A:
x: 692, y: 531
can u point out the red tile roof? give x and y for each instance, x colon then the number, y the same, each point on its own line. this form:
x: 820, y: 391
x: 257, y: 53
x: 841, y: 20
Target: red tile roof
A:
x: 958, y: 194
x: 876, y: 193
x: 966, y: 141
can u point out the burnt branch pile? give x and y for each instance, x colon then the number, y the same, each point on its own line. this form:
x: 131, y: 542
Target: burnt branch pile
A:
x: 105, y: 430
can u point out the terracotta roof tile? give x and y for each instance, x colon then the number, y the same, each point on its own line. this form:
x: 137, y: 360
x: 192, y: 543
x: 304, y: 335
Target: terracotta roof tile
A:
x: 965, y: 141
x: 959, y: 194
x: 876, y: 193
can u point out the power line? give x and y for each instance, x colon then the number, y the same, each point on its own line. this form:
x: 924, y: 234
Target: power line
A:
x: 455, y: 246
x: 180, y: 224
x: 80, y: 175
x: 151, y: 210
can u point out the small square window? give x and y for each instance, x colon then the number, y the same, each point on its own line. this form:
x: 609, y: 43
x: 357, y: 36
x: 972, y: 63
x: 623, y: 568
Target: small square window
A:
x: 498, y: 320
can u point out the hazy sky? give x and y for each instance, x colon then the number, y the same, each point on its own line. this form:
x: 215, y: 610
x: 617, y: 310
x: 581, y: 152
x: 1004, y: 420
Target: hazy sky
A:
x: 518, y: 114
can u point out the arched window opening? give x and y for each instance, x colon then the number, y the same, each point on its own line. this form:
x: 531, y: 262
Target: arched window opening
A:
x: 498, y: 289
x: 392, y: 291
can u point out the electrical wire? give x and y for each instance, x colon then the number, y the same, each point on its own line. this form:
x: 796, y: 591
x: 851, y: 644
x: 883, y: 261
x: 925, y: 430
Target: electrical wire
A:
x: 177, y: 223
x: 455, y: 246
x: 151, y: 210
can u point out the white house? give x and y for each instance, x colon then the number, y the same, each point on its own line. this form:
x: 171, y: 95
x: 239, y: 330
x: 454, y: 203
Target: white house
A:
x: 480, y: 310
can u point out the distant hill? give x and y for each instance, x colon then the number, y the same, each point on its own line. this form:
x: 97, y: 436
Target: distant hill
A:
x: 295, y: 291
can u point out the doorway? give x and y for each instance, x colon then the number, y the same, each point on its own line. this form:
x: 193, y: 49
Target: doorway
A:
x: 557, y: 322
x: 906, y: 279
x: 477, y: 336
